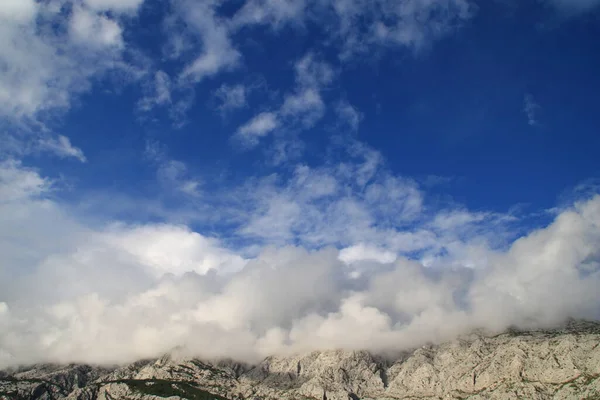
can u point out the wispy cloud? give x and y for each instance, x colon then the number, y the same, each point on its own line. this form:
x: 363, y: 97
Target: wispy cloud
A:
x: 218, y: 52
x: 301, y: 108
x: 531, y: 109
x: 171, y: 174
x: 158, y: 92
x: 259, y: 126
x: 348, y: 115
x: 413, y: 25
x: 231, y: 97
x: 62, y: 147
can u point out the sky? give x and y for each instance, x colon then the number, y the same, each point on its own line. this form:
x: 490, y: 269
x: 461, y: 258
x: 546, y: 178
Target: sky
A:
x: 241, y: 178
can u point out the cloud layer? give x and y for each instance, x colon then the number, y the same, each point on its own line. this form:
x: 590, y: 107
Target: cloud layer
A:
x: 340, y: 253
x: 119, y: 292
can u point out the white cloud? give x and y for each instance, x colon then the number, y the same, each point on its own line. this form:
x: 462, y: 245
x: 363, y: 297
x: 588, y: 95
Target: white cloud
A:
x: 51, y: 52
x: 117, y: 293
x: 60, y: 64
x: 359, y: 24
x: 114, y: 5
x: 261, y: 125
x: 18, y: 183
x: 306, y: 105
x: 348, y: 115
x: 311, y: 72
x: 218, y: 53
x: 45, y: 68
x: 336, y: 205
x: 201, y: 36
x: 172, y: 174
x: 158, y: 92
x: 361, y: 252
x: 301, y: 108
x: 231, y: 97
x: 416, y: 23
x: 91, y: 29
x: 18, y: 10
x: 174, y: 249
x: 270, y: 12
x: 62, y: 147
x: 372, y: 264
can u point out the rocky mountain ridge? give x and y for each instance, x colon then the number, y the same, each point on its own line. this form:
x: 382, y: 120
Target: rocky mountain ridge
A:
x: 551, y: 364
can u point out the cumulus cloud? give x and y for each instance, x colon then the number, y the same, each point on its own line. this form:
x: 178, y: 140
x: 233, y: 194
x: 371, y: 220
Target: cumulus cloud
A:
x: 259, y: 126
x: 45, y: 67
x: 119, y: 292
x: 94, y: 30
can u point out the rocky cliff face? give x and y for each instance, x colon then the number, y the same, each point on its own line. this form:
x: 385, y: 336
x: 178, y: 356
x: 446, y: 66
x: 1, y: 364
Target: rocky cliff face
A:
x: 557, y: 364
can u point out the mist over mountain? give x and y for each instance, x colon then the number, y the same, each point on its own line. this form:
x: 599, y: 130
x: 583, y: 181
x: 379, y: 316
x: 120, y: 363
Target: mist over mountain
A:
x: 543, y: 364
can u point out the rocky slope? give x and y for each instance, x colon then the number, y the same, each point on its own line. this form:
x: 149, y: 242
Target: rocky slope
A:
x: 557, y: 364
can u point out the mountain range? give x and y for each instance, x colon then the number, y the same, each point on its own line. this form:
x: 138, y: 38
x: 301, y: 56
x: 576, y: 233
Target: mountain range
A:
x: 561, y: 363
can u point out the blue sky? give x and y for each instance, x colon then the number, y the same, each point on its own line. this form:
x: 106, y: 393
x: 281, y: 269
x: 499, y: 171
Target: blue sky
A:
x: 452, y: 106
x: 177, y: 137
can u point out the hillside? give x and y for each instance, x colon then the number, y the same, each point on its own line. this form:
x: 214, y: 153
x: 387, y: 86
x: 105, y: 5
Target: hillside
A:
x: 551, y: 364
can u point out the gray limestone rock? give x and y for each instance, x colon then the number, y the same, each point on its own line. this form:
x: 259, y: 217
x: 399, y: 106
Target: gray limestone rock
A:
x: 551, y: 364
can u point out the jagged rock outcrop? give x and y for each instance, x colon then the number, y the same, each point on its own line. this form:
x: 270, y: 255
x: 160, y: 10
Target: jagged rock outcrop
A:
x: 554, y: 364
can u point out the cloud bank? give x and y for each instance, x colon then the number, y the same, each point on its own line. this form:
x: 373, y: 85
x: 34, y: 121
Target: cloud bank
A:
x: 339, y: 254
x: 115, y: 293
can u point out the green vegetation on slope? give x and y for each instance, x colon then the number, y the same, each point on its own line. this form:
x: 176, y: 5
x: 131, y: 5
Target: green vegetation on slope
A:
x: 164, y: 388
